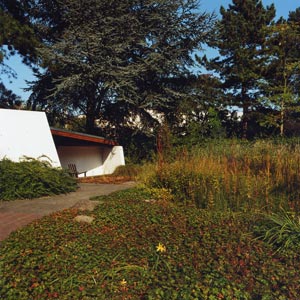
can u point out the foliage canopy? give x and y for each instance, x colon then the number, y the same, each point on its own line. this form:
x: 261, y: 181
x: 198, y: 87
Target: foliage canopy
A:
x: 122, y: 56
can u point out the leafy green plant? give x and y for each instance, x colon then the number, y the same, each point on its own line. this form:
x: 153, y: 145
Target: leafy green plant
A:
x: 282, y: 230
x: 31, y: 178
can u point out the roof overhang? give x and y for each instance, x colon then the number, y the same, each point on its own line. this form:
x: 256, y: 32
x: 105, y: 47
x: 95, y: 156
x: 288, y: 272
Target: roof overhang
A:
x: 63, y: 137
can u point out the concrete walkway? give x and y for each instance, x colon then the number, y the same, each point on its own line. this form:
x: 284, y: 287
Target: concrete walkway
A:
x: 18, y: 213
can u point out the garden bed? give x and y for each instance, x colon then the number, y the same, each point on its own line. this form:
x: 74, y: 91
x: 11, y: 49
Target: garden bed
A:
x: 142, y: 247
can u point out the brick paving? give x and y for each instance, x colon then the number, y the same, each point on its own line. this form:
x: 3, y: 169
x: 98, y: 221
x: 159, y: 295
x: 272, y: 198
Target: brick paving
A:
x: 11, y: 221
x: 18, y: 213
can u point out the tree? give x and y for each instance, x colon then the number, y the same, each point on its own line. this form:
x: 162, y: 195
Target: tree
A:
x: 119, y: 54
x: 194, y: 117
x: 16, y: 32
x: 17, y: 36
x: 8, y: 99
x: 282, y: 70
x: 294, y: 115
x: 240, y: 39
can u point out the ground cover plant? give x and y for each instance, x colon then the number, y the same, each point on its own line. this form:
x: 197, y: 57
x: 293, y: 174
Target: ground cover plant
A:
x: 141, y: 245
x: 31, y: 178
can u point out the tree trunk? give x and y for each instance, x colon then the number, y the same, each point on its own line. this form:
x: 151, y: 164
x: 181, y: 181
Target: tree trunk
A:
x: 282, y: 119
x: 90, y: 124
x: 282, y: 104
x: 90, y: 115
x: 245, y: 117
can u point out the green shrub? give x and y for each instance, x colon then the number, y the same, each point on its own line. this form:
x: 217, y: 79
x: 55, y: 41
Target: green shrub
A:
x: 137, y: 249
x: 32, y: 178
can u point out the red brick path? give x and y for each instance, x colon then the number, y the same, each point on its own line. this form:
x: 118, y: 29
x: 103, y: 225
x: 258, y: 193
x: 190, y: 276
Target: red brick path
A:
x: 11, y: 221
x: 18, y: 213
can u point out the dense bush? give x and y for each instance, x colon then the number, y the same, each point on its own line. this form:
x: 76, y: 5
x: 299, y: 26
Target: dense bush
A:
x: 32, y: 178
x: 138, y: 248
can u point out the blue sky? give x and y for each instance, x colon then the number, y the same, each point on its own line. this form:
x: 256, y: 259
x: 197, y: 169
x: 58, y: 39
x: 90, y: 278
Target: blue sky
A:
x: 282, y: 6
x: 24, y: 73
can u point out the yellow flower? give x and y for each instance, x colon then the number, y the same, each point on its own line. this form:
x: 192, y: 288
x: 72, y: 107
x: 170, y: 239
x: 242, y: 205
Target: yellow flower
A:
x: 123, y: 282
x: 161, y: 248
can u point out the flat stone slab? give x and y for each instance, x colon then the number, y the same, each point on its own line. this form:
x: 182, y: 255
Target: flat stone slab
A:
x: 84, y: 219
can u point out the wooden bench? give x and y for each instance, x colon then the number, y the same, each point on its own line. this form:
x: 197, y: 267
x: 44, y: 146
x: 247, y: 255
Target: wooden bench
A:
x: 73, y: 171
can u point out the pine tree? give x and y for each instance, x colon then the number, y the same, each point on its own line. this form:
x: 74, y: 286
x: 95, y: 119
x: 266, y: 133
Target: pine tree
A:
x: 239, y: 39
x: 17, y: 34
x: 16, y: 37
x: 294, y: 22
x: 8, y: 99
x: 282, y: 70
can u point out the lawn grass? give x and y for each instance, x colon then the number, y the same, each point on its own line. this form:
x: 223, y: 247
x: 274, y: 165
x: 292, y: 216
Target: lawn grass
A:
x: 140, y: 248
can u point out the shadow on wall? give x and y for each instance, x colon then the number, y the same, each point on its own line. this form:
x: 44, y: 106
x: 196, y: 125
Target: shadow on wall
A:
x: 85, y: 158
x: 95, y: 160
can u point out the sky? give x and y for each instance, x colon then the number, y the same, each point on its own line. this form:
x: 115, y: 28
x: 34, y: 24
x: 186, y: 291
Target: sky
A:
x: 24, y: 73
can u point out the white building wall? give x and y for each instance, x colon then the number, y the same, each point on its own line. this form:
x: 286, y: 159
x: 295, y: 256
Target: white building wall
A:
x: 114, y: 159
x: 96, y: 160
x: 87, y: 158
x: 26, y: 133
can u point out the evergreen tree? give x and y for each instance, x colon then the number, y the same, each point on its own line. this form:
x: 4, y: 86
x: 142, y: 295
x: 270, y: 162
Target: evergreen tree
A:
x: 294, y: 22
x: 16, y: 37
x: 192, y: 117
x: 121, y: 55
x: 17, y: 34
x: 282, y: 70
x: 8, y: 99
x: 239, y: 39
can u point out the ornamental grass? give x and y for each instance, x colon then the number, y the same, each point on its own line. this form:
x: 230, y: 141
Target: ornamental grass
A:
x: 260, y: 175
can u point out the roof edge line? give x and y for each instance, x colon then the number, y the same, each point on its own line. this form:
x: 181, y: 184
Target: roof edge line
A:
x: 82, y: 136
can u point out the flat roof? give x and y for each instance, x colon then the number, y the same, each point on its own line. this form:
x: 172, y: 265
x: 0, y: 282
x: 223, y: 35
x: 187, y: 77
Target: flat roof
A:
x: 78, y: 136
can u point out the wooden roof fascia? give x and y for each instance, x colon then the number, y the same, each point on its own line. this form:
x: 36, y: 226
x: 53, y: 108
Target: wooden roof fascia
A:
x: 82, y: 137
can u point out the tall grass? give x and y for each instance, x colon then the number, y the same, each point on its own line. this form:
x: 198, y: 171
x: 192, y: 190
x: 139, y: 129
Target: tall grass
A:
x: 234, y: 175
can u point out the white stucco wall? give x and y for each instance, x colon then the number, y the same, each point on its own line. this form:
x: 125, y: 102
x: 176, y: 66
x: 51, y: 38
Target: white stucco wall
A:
x: 96, y: 160
x: 26, y: 133
x: 88, y: 159
x: 114, y: 159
